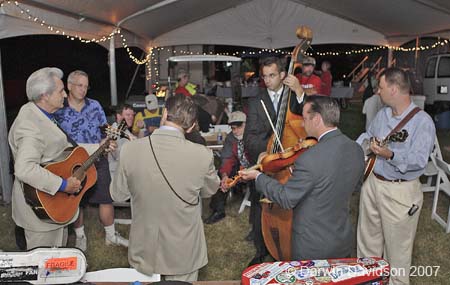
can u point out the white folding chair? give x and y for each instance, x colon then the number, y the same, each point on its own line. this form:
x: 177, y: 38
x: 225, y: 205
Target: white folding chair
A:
x: 431, y: 169
x: 245, y: 201
x: 442, y: 184
x: 122, y: 221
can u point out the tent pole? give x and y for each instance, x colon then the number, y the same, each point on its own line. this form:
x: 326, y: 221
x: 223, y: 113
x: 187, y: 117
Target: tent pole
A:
x: 112, y: 72
x: 134, y: 76
x: 390, y: 57
x: 416, y: 55
x: 5, y: 176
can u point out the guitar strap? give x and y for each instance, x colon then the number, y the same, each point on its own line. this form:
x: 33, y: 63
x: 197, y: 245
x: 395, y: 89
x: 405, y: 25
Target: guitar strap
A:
x: 69, y: 139
x: 167, y: 181
x: 405, y: 120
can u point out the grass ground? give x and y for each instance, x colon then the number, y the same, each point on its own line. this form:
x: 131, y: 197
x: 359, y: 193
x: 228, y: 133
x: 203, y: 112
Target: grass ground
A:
x: 229, y: 253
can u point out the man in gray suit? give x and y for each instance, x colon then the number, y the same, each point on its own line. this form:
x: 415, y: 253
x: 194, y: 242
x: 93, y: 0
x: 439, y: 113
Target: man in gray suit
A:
x: 321, y: 185
x: 165, y: 176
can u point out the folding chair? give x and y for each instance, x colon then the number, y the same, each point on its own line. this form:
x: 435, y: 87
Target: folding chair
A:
x: 431, y: 169
x: 442, y: 184
x: 122, y: 221
x: 245, y: 201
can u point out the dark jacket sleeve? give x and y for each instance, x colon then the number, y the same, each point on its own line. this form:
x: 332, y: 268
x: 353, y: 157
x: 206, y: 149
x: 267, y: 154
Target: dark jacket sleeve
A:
x: 255, y: 134
x: 228, y: 155
x: 295, y: 106
x: 299, y: 185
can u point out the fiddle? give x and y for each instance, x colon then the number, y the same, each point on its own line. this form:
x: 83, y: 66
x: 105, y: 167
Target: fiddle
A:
x: 272, y: 163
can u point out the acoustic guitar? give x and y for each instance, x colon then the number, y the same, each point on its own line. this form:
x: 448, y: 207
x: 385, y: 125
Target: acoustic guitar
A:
x: 371, y: 158
x: 62, y: 207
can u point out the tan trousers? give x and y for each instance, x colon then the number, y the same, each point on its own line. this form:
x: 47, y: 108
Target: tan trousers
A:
x: 51, y: 238
x: 384, y: 227
x: 190, y: 277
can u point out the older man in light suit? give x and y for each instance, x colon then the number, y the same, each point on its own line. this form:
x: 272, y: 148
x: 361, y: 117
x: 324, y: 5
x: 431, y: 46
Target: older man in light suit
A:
x: 35, y: 139
x: 165, y: 176
x: 320, y: 187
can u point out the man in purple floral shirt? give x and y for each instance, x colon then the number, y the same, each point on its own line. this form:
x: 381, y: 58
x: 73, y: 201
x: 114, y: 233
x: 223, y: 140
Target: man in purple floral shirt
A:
x: 81, y: 118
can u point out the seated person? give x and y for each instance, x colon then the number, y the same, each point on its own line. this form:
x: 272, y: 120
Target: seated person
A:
x: 122, y: 112
x: 233, y: 156
x: 151, y: 124
x: 152, y: 110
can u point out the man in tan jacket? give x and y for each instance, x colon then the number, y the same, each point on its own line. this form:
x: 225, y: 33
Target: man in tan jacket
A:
x: 34, y: 139
x: 166, y: 176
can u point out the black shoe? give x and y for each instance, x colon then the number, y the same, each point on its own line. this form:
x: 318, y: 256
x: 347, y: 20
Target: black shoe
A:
x: 214, y: 218
x: 250, y: 236
x: 256, y: 260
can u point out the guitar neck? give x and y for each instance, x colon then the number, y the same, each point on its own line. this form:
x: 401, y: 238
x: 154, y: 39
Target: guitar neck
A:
x: 88, y: 163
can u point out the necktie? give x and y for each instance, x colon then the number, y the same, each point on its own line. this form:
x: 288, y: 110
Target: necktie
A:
x: 275, y: 101
x: 241, y: 154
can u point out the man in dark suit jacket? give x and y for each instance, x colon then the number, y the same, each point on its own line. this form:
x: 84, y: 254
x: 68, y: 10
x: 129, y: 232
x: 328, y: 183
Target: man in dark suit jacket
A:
x: 258, y: 130
x: 321, y: 185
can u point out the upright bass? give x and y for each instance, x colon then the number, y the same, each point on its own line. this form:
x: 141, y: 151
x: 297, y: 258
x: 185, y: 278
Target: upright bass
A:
x: 276, y: 221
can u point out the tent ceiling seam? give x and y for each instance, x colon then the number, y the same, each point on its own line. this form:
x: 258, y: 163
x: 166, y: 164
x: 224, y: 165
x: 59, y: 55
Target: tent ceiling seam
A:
x: 202, y: 17
x: 433, y: 6
x: 337, y: 15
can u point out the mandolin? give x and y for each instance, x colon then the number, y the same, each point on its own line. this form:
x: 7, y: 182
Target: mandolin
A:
x: 61, y: 207
x: 371, y: 158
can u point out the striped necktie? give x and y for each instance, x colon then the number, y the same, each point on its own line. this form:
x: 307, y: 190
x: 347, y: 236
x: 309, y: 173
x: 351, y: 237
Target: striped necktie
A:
x: 275, y: 101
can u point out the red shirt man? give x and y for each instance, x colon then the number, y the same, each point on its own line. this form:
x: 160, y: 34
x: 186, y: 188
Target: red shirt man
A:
x: 310, y: 82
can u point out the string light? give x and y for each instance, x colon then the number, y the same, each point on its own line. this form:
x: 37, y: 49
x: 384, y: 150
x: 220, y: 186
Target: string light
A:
x: 60, y: 31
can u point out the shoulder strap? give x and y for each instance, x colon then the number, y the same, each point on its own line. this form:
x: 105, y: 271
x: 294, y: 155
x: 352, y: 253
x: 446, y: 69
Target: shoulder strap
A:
x: 165, y: 178
x: 69, y: 139
x: 405, y: 120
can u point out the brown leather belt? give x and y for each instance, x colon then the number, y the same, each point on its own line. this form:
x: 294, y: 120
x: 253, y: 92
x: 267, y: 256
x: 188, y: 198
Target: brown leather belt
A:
x: 382, y: 178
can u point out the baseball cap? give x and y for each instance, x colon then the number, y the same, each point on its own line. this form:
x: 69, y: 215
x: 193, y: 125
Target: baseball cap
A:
x: 309, y: 61
x: 151, y: 102
x: 237, y: 117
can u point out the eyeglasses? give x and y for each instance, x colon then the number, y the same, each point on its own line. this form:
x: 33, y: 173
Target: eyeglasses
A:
x: 87, y: 87
x: 271, y: 76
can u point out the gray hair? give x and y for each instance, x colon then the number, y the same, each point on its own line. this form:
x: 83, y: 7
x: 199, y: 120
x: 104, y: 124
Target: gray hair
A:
x: 396, y: 76
x: 327, y: 107
x: 74, y: 74
x: 42, y: 82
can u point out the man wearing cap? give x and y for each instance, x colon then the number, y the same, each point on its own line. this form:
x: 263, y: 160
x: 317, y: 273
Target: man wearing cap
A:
x: 310, y: 82
x: 183, y: 85
x: 233, y: 156
x: 147, y: 120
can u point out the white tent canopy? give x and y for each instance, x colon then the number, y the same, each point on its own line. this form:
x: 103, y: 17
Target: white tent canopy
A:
x: 255, y: 23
